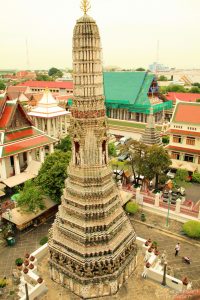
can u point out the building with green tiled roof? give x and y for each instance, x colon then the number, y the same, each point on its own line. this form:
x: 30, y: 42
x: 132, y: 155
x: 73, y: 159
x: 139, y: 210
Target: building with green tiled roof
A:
x: 130, y: 95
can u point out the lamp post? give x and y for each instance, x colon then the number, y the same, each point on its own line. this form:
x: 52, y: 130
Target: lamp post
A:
x: 168, y: 209
x: 164, y: 274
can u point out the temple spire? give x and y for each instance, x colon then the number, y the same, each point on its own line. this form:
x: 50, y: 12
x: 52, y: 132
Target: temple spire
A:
x: 85, y: 6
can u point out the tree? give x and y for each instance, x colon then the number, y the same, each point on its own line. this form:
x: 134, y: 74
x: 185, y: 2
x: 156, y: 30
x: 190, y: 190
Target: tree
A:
x: 140, y: 69
x: 195, y: 89
x: 31, y: 197
x: 2, y: 85
x: 112, y: 149
x: 192, y: 229
x: 65, y: 144
x: 131, y: 207
x: 181, y: 177
x: 162, y: 78
x: 54, y: 72
x: 137, y: 153
x: 53, y: 173
x: 157, y: 161
x: 196, y: 177
x: 43, y: 77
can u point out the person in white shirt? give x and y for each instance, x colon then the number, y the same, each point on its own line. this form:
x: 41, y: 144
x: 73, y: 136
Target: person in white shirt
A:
x: 177, y: 249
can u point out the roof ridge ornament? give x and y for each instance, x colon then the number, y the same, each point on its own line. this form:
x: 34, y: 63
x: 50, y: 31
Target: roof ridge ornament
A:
x: 85, y: 6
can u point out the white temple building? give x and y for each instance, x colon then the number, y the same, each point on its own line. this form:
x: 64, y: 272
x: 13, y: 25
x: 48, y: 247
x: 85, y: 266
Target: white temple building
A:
x: 49, y: 117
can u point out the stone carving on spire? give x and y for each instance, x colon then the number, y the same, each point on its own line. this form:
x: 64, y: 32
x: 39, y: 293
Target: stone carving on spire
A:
x: 85, y: 6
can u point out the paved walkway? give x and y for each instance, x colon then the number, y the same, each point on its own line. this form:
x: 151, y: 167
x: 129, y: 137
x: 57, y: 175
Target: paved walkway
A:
x: 26, y: 242
x: 168, y: 242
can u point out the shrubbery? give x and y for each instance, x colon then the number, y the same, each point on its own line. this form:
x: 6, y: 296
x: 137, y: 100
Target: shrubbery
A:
x: 196, y: 177
x: 131, y: 207
x: 192, y: 229
x: 44, y: 240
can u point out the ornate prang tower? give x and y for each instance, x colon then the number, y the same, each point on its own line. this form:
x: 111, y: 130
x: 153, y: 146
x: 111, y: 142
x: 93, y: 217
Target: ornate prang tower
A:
x: 91, y: 243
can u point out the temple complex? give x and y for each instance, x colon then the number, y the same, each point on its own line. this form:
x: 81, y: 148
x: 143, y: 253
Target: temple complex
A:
x: 91, y: 243
x: 23, y: 147
x: 151, y: 136
x: 49, y: 117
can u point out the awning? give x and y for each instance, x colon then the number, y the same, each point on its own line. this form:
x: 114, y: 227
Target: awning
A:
x: 176, y: 164
x: 18, y: 217
x: 30, y: 173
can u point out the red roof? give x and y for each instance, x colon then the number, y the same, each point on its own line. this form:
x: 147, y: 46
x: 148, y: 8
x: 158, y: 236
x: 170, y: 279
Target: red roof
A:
x: 6, y: 116
x: 26, y: 144
x: 186, y: 97
x: 187, y: 113
x: 184, y: 132
x: 21, y: 134
x: 17, y: 89
x: 49, y: 84
x: 188, y: 150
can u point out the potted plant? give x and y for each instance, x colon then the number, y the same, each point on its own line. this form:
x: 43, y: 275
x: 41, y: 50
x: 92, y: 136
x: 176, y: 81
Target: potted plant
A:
x: 154, y: 244
x: 148, y: 265
x: 26, y: 262
x: 156, y: 252
x: 27, y: 255
x: 19, y: 261
x: 25, y: 271
x: 185, y: 281
x: 32, y: 258
x: 150, y: 249
x: 39, y: 280
x: 31, y: 266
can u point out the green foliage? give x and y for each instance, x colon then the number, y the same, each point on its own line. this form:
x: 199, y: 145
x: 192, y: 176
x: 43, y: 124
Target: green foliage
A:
x: 181, y: 177
x: 44, y: 240
x: 53, y: 173
x: 198, y: 100
x: 131, y: 207
x: 196, y: 177
x: 195, y: 89
x: 162, y: 78
x: 140, y: 69
x: 3, y: 282
x: 192, y: 229
x: 30, y: 198
x: 54, y: 72
x: 196, y: 84
x: 43, y: 77
x: 112, y: 149
x: 2, y: 85
x: 156, y: 163
x: 19, y: 261
x: 65, y: 144
x: 165, y: 139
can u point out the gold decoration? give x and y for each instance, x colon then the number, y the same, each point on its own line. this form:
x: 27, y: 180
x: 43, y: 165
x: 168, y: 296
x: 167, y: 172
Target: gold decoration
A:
x: 85, y: 6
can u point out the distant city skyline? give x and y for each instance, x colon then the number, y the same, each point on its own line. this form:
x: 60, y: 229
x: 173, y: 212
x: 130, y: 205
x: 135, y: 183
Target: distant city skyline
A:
x: 129, y: 31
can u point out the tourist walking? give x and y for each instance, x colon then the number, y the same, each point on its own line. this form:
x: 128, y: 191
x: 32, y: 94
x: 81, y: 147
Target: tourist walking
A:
x: 177, y: 249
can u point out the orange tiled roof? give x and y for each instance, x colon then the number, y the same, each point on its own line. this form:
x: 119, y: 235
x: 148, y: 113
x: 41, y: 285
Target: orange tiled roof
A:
x: 186, y: 97
x: 187, y: 113
x: 182, y: 149
x: 184, y: 132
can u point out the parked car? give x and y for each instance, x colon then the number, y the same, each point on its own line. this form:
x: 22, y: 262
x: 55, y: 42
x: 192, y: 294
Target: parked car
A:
x: 171, y: 174
x: 123, y: 157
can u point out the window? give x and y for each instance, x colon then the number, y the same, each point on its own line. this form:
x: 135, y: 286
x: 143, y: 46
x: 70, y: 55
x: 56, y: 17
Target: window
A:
x: 175, y: 155
x: 189, y: 158
x: 192, y: 128
x: 176, y: 138
x: 190, y: 140
x: 178, y: 126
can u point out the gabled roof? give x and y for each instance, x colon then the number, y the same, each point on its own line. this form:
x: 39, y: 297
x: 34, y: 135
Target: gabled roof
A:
x: 47, y: 107
x: 186, y: 97
x: 8, y: 111
x: 188, y: 113
x: 17, y: 89
x: 130, y: 90
x: 49, y: 84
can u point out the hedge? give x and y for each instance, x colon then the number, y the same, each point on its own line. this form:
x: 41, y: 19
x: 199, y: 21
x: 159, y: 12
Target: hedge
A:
x: 131, y: 207
x: 192, y: 229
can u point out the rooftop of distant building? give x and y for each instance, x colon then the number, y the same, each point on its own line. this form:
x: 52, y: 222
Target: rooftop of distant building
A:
x: 187, y: 113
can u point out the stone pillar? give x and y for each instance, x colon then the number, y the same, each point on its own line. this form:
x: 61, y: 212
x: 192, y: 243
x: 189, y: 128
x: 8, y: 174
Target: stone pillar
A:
x: 51, y: 148
x: 137, y: 194
x: 60, y: 124
x: 41, y: 154
x: 3, y: 169
x: 29, y: 157
x: 49, y: 127
x: 54, y: 127
x: 16, y: 164
x: 178, y: 206
x: 157, y: 199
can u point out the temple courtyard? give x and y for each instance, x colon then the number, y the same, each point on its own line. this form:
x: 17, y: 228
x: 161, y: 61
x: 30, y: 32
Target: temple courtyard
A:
x: 154, y: 228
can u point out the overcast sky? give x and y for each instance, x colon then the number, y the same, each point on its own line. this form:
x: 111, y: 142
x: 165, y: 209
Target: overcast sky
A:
x: 129, y: 30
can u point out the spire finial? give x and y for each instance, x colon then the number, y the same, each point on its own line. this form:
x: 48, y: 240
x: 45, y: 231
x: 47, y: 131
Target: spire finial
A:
x: 85, y: 6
